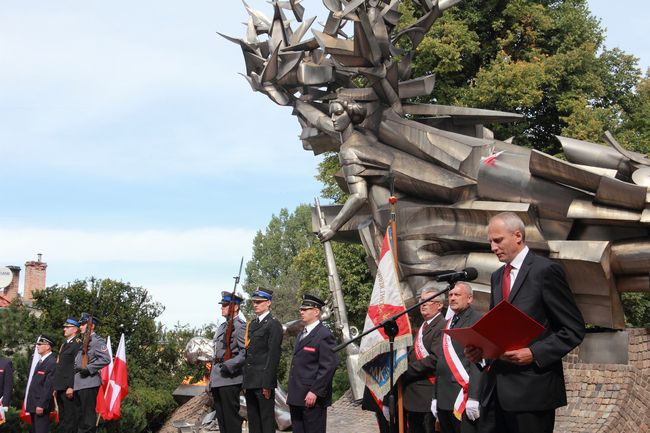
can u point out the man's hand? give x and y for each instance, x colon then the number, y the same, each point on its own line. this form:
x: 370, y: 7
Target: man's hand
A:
x: 310, y: 399
x: 266, y: 392
x: 69, y: 393
x: 474, y: 354
x: 519, y: 357
x: 472, y: 410
x: 39, y: 411
x: 83, y: 372
x: 434, y: 408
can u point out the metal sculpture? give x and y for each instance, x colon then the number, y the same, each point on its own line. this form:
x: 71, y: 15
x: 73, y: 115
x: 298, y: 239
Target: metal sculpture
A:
x: 351, y: 87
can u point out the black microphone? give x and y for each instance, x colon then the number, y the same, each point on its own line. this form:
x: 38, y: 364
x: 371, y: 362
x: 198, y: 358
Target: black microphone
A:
x: 467, y: 274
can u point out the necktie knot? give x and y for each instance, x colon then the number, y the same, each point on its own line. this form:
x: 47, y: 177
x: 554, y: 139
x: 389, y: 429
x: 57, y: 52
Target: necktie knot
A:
x: 454, y: 320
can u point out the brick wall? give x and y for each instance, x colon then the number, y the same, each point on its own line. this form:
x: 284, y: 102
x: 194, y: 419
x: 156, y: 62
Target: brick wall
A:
x: 34, y: 278
x: 607, y: 398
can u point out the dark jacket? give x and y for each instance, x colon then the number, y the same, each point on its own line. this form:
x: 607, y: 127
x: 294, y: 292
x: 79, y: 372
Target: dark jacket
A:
x: 6, y: 380
x: 418, y: 389
x: 41, y: 386
x: 312, y: 367
x: 64, y: 375
x: 540, y: 291
x: 263, y: 354
x: 447, y: 388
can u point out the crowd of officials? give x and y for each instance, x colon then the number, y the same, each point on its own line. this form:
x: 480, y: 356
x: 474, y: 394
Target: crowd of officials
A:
x: 447, y: 387
x: 68, y: 381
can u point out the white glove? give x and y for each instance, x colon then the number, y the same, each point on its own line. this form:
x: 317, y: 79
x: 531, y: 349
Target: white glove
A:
x: 386, y: 411
x: 434, y: 407
x: 472, y: 409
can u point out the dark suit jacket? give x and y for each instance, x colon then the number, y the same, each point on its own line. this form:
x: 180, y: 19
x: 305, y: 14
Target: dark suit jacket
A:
x: 41, y: 387
x: 263, y: 354
x: 6, y: 380
x: 540, y: 291
x: 418, y: 390
x: 64, y: 375
x: 447, y: 387
x: 312, y: 367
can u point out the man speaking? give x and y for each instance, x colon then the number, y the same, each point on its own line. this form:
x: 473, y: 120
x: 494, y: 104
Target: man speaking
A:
x: 525, y: 386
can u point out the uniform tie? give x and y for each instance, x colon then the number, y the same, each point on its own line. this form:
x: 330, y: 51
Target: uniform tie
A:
x: 505, y: 281
x: 454, y: 321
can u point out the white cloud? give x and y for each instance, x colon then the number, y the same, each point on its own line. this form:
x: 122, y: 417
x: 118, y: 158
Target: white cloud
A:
x: 66, y: 245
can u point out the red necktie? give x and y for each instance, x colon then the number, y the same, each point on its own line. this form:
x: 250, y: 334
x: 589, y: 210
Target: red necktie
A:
x: 505, y: 282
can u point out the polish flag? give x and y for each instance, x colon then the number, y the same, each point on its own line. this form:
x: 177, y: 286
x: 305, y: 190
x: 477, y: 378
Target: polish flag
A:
x: 105, y: 374
x: 118, y: 384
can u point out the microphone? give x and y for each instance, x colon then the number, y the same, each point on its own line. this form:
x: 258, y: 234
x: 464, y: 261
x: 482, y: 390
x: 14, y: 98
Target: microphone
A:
x: 467, y: 274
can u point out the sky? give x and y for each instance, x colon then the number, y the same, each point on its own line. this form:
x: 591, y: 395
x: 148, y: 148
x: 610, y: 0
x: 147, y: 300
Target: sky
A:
x: 132, y: 149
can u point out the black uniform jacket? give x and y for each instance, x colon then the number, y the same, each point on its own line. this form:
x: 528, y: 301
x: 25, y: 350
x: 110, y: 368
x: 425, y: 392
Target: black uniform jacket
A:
x: 41, y: 387
x: 447, y: 387
x: 64, y: 375
x: 312, y: 367
x: 263, y: 354
x: 6, y: 380
x: 541, y: 291
x: 418, y: 389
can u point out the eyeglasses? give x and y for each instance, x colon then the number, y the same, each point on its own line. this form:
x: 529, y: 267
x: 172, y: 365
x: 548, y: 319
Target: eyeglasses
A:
x: 255, y: 301
x: 42, y: 344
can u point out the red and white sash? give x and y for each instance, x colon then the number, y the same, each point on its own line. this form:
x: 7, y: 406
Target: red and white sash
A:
x: 421, y: 351
x: 459, y: 372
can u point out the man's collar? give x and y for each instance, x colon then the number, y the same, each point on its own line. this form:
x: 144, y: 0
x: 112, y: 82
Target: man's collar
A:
x: 311, y: 327
x: 519, y: 258
x: 46, y: 355
x: 263, y: 315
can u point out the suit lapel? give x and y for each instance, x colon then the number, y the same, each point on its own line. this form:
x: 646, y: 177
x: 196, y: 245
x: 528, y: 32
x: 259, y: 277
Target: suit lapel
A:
x: 521, y: 275
x: 303, y: 341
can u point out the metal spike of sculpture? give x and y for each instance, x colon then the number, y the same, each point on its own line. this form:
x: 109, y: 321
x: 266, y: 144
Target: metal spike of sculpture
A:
x: 352, y: 94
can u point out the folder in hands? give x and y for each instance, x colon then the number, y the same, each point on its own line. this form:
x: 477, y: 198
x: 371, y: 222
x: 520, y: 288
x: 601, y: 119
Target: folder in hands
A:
x: 505, y: 327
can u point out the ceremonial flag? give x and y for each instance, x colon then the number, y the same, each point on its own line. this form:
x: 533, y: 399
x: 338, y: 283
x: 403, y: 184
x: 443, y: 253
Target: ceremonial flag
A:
x: 2, y: 412
x: 118, y: 384
x: 386, y: 301
x: 105, y: 374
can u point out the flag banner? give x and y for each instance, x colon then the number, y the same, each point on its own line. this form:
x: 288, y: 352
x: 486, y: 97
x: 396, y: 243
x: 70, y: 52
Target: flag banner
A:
x: 118, y: 385
x: 2, y: 412
x: 105, y: 374
x: 24, y: 415
x: 386, y: 301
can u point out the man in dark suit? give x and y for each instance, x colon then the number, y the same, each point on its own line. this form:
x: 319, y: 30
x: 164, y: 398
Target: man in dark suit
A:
x: 6, y: 382
x: 40, y: 402
x: 419, y: 378
x: 64, y: 377
x: 264, y: 340
x: 312, y: 370
x: 524, y: 387
x: 457, y: 380
x: 226, y: 374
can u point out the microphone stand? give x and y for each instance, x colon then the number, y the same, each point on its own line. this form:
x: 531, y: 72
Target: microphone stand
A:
x: 391, y: 329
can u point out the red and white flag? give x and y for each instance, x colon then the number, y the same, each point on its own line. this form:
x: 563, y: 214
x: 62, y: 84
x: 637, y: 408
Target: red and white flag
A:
x: 118, y: 385
x: 105, y: 374
x: 386, y: 301
x: 2, y: 412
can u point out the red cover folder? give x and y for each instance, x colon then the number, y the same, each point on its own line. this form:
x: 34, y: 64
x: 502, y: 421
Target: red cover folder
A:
x: 503, y: 328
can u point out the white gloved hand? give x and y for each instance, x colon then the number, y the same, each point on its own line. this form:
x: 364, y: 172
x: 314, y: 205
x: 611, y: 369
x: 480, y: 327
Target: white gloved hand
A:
x: 434, y: 407
x: 386, y: 411
x: 472, y: 409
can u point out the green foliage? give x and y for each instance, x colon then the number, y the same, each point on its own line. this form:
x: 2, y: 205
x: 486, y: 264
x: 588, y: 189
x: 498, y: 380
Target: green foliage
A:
x: 637, y: 309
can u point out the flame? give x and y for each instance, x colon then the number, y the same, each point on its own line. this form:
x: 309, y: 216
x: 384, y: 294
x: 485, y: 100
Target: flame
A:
x: 187, y: 380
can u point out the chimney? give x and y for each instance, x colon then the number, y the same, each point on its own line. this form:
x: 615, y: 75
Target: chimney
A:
x: 34, y: 277
x: 9, y: 292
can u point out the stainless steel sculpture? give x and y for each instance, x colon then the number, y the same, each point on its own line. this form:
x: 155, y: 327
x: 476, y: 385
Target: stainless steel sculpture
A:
x: 351, y: 88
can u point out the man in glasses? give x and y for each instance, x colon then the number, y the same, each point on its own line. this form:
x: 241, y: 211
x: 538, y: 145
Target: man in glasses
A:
x: 263, y: 341
x: 39, y: 402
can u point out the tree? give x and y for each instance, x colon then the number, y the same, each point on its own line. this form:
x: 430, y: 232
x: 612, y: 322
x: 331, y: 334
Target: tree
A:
x: 539, y: 58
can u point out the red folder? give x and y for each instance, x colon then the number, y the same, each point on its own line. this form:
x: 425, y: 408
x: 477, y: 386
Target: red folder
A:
x: 503, y: 328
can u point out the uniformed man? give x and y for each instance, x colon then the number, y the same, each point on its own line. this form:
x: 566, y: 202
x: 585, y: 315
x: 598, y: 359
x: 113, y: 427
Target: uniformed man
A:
x: 264, y: 337
x: 226, y: 374
x: 87, y: 377
x: 312, y: 370
x: 39, y: 402
x: 6, y: 382
x: 64, y: 377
